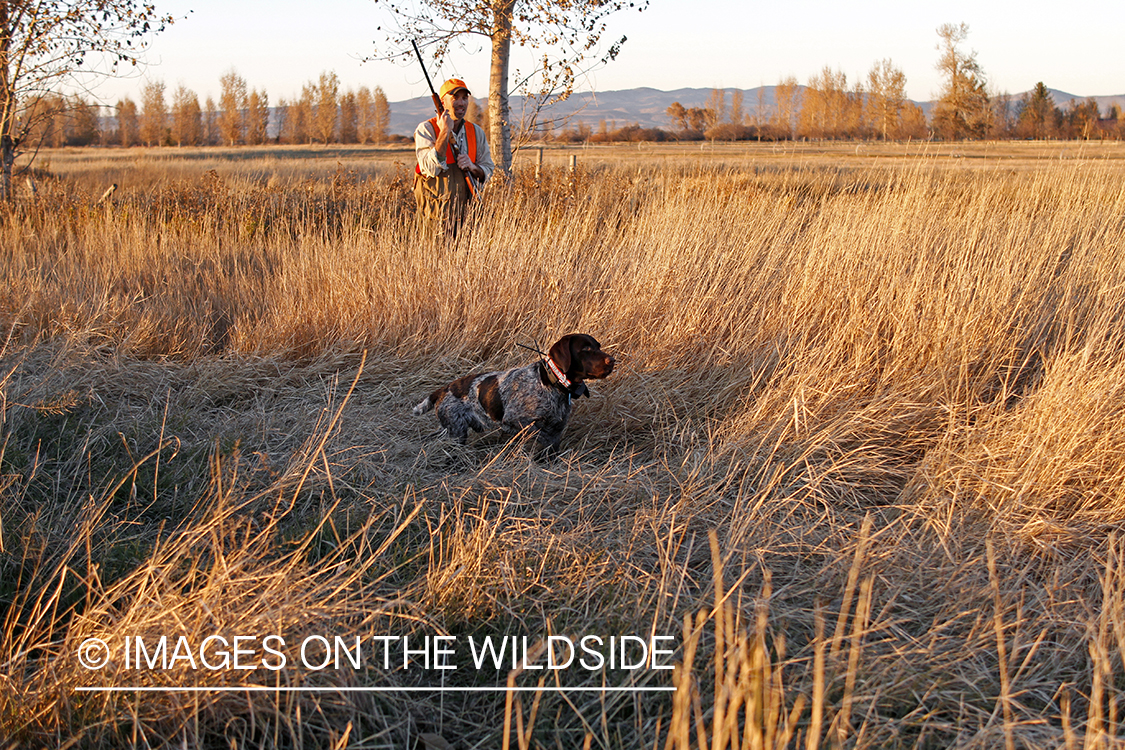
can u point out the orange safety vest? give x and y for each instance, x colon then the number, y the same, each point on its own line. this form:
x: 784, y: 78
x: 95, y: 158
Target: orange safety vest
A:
x: 470, y: 138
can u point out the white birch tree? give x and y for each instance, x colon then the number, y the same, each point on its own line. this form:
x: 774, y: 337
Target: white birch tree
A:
x: 566, y: 32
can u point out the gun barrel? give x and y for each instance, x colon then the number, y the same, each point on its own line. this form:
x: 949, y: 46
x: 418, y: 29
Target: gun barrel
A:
x: 425, y: 72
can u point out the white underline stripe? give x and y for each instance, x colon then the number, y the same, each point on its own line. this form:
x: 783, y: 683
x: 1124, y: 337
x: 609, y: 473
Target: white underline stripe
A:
x: 266, y: 689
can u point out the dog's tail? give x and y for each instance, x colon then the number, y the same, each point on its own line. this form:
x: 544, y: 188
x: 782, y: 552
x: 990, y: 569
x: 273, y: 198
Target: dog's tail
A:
x: 429, y: 402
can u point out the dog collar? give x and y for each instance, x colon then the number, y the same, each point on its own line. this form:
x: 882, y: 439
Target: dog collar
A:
x: 557, y: 373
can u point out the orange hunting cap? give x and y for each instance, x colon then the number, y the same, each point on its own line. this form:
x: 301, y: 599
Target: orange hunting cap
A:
x: 452, y: 85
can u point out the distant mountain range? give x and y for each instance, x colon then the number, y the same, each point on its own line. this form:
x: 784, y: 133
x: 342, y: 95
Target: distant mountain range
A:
x: 648, y: 107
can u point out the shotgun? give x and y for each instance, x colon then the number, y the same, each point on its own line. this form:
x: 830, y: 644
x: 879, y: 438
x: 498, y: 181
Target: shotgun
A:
x: 440, y: 110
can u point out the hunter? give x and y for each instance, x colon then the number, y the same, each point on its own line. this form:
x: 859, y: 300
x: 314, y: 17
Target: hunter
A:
x: 453, y: 162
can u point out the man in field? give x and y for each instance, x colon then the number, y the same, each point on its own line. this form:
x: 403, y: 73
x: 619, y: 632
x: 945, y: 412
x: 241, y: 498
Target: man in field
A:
x: 453, y: 163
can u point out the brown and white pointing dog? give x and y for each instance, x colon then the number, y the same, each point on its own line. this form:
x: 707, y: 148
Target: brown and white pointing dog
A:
x: 536, y: 397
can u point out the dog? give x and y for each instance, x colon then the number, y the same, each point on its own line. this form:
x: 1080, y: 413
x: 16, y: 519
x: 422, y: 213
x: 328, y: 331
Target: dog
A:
x: 536, y: 397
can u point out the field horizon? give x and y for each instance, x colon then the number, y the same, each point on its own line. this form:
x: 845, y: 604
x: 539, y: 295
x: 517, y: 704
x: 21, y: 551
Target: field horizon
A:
x: 859, y: 468
x: 647, y: 106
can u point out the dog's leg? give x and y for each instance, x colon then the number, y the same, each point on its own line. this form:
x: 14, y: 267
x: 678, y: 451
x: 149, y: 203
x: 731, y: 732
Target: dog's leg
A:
x: 456, y: 418
x: 547, y: 438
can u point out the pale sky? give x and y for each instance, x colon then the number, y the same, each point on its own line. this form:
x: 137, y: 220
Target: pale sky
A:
x: 280, y: 44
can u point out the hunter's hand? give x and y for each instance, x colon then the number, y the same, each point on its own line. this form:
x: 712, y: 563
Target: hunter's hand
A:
x: 445, y: 125
x: 466, y: 164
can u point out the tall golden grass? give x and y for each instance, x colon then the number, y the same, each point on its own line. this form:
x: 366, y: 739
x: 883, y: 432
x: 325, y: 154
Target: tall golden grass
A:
x: 862, y: 455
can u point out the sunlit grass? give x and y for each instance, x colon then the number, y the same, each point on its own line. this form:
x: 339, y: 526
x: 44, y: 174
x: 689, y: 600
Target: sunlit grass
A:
x: 861, y: 455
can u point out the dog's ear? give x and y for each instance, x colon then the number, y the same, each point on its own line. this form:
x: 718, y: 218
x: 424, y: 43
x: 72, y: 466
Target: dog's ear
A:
x: 560, y: 352
x: 578, y: 342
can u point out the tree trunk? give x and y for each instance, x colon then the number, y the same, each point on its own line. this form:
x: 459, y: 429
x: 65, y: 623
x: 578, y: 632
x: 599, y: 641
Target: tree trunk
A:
x: 7, y: 109
x: 7, y: 158
x: 500, y: 129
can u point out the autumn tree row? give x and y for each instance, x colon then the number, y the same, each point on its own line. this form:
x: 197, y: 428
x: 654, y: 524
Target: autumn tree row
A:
x: 828, y: 107
x: 321, y: 113
x: 877, y: 107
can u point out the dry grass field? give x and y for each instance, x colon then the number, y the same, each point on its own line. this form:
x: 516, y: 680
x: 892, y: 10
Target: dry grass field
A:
x: 862, y: 459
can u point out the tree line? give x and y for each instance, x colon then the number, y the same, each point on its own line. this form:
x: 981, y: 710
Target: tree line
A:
x: 828, y: 107
x: 320, y: 113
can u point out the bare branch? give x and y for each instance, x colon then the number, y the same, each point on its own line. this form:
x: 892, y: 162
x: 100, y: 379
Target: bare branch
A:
x: 44, y: 42
x: 568, y: 32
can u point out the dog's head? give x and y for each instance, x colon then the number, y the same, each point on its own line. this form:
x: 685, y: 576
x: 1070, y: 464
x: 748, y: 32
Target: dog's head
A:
x: 580, y: 356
